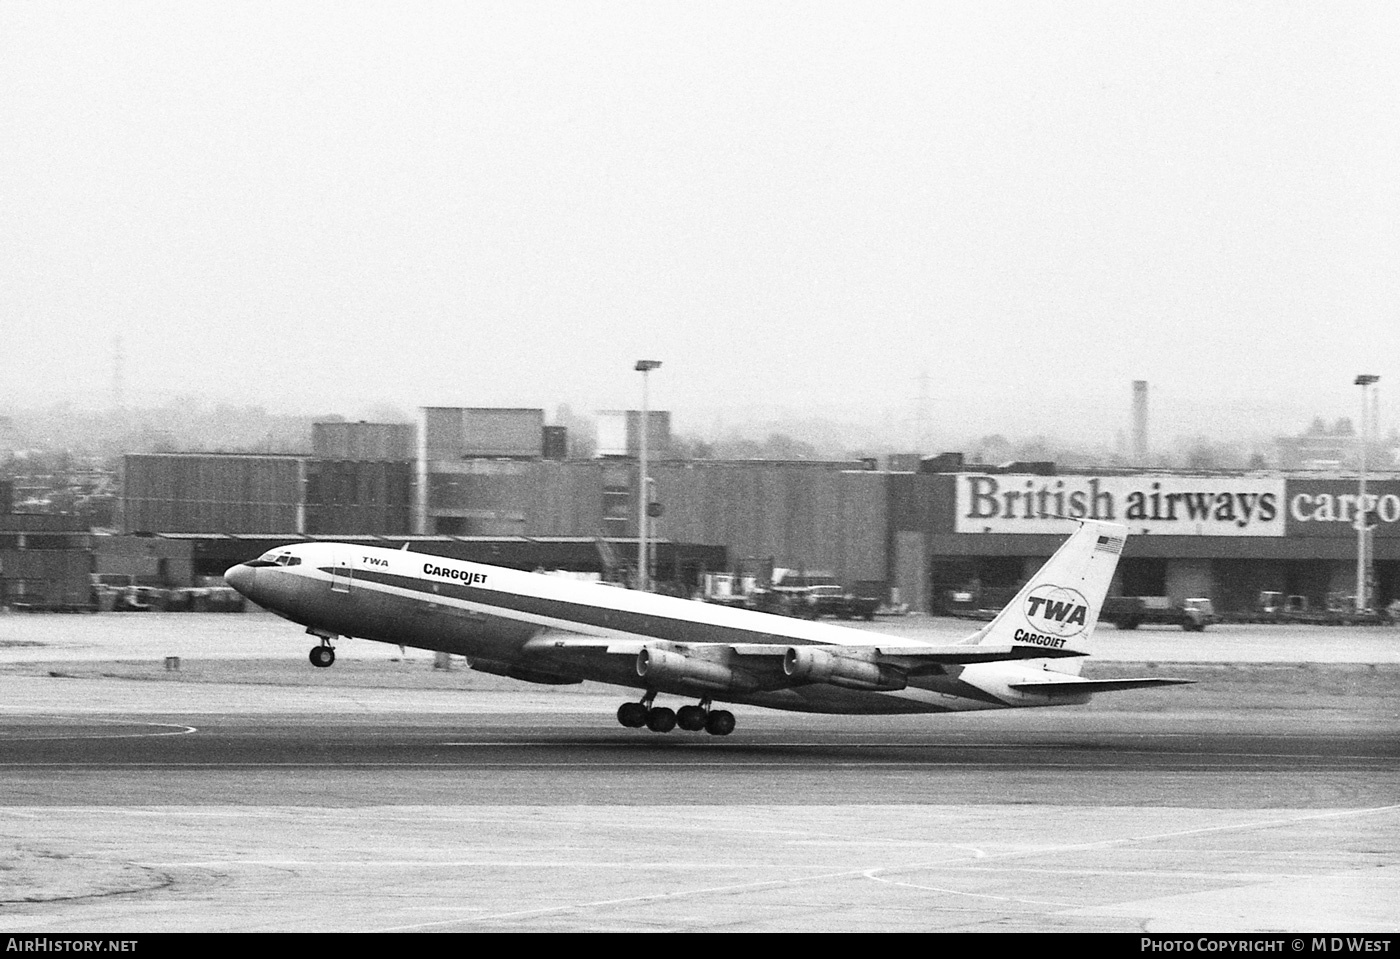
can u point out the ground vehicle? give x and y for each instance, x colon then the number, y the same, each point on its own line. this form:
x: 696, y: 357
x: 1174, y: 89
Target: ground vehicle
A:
x: 832, y: 600
x: 1337, y: 609
x: 979, y: 604
x: 1130, y: 612
x: 788, y: 592
x: 1274, y: 607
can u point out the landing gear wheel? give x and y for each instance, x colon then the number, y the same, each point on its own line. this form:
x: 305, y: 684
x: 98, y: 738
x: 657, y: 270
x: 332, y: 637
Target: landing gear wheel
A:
x: 322, y: 656
x: 661, y: 720
x: 720, y: 723
x: 632, y: 715
x: 691, y: 718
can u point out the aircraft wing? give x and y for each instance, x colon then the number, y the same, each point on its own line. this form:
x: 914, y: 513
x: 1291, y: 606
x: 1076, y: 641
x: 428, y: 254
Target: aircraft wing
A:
x: 904, y: 656
x: 1073, y: 686
x: 767, y: 666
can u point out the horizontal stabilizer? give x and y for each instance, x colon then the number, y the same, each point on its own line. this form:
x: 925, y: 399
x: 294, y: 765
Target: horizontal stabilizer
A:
x: 959, y: 655
x: 1076, y: 686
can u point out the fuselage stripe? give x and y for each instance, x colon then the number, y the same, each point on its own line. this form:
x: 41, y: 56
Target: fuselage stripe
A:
x: 566, y: 613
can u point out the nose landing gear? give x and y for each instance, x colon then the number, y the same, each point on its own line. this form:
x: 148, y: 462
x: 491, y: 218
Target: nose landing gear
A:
x: 324, y: 654
x: 660, y: 719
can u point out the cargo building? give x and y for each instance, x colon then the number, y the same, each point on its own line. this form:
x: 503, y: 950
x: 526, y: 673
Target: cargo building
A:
x: 1224, y: 536
x: 359, y: 479
x: 46, y: 562
x: 213, y: 493
x: 937, y: 527
x: 473, y: 469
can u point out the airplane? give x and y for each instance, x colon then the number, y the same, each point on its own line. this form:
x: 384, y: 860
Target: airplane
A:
x: 546, y: 629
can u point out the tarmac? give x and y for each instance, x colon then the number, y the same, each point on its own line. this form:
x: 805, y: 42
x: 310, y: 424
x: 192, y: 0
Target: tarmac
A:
x: 257, y: 634
x: 248, y: 791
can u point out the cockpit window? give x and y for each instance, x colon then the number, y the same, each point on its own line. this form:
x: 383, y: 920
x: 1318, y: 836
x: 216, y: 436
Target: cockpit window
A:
x: 274, y: 558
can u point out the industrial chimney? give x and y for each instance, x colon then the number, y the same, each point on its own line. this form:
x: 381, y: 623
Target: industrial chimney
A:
x: 1140, y: 422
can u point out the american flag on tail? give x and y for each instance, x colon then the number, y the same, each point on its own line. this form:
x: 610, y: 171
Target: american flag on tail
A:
x: 1110, y: 544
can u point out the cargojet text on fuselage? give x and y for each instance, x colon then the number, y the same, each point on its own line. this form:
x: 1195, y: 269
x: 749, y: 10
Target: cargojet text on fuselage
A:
x: 547, y: 629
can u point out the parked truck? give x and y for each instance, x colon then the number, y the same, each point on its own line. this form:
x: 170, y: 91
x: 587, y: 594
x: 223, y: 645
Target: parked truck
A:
x: 814, y: 593
x: 1130, y: 612
x: 833, y: 600
x: 1337, y: 609
x: 788, y: 592
x: 981, y: 604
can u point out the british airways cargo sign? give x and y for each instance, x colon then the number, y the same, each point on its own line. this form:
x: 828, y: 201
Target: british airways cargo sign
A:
x: 1329, y: 507
x: 1158, y: 504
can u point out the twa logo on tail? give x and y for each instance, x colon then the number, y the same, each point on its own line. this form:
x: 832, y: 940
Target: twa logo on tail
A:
x: 1058, y: 610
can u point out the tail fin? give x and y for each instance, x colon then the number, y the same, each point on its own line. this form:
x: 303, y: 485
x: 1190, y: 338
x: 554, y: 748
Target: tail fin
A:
x: 1059, y: 606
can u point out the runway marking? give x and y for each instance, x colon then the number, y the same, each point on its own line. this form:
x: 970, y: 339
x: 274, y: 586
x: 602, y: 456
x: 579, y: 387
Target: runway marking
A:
x: 173, y: 729
x: 1154, y: 873
x: 804, y: 766
x: 440, y: 864
x: 113, y: 765
x: 1259, y: 824
x: 1156, y: 837
x: 908, y: 746
x: 701, y: 742
x: 630, y: 900
x: 558, y: 816
x: 870, y: 874
x: 873, y: 872
x: 788, y: 837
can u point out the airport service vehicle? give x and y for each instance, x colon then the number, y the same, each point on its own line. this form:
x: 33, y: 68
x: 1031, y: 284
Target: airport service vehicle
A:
x: 833, y: 600
x: 1130, y: 612
x: 809, y: 602
x: 1272, y: 607
x: 979, y: 604
x: 788, y: 592
x: 818, y: 594
x: 546, y: 629
x: 1338, y: 609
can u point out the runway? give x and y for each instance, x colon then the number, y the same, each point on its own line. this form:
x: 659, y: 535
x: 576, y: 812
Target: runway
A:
x: 380, y: 796
x: 494, y: 821
x: 532, y: 758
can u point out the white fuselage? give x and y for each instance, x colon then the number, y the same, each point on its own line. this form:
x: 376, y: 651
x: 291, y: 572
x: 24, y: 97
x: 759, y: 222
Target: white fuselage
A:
x: 551, y: 629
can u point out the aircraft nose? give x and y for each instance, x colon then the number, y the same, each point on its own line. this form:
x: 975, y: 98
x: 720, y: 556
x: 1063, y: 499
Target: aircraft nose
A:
x: 240, y: 577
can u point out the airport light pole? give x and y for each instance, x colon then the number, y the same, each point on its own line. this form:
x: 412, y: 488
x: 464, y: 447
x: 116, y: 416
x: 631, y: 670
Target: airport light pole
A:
x: 643, y: 492
x: 1365, y: 381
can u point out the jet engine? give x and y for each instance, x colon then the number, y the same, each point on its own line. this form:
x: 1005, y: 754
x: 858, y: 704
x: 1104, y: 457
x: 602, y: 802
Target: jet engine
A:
x: 663, y: 668
x: 853, y: 670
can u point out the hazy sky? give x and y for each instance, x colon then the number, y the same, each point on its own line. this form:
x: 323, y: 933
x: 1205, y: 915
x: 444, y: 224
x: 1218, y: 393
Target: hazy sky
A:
x: 323, y: 206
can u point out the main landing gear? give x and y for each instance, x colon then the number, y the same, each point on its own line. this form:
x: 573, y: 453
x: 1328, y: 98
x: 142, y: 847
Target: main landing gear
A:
x: 660, y: 719
x: 324, y: 654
